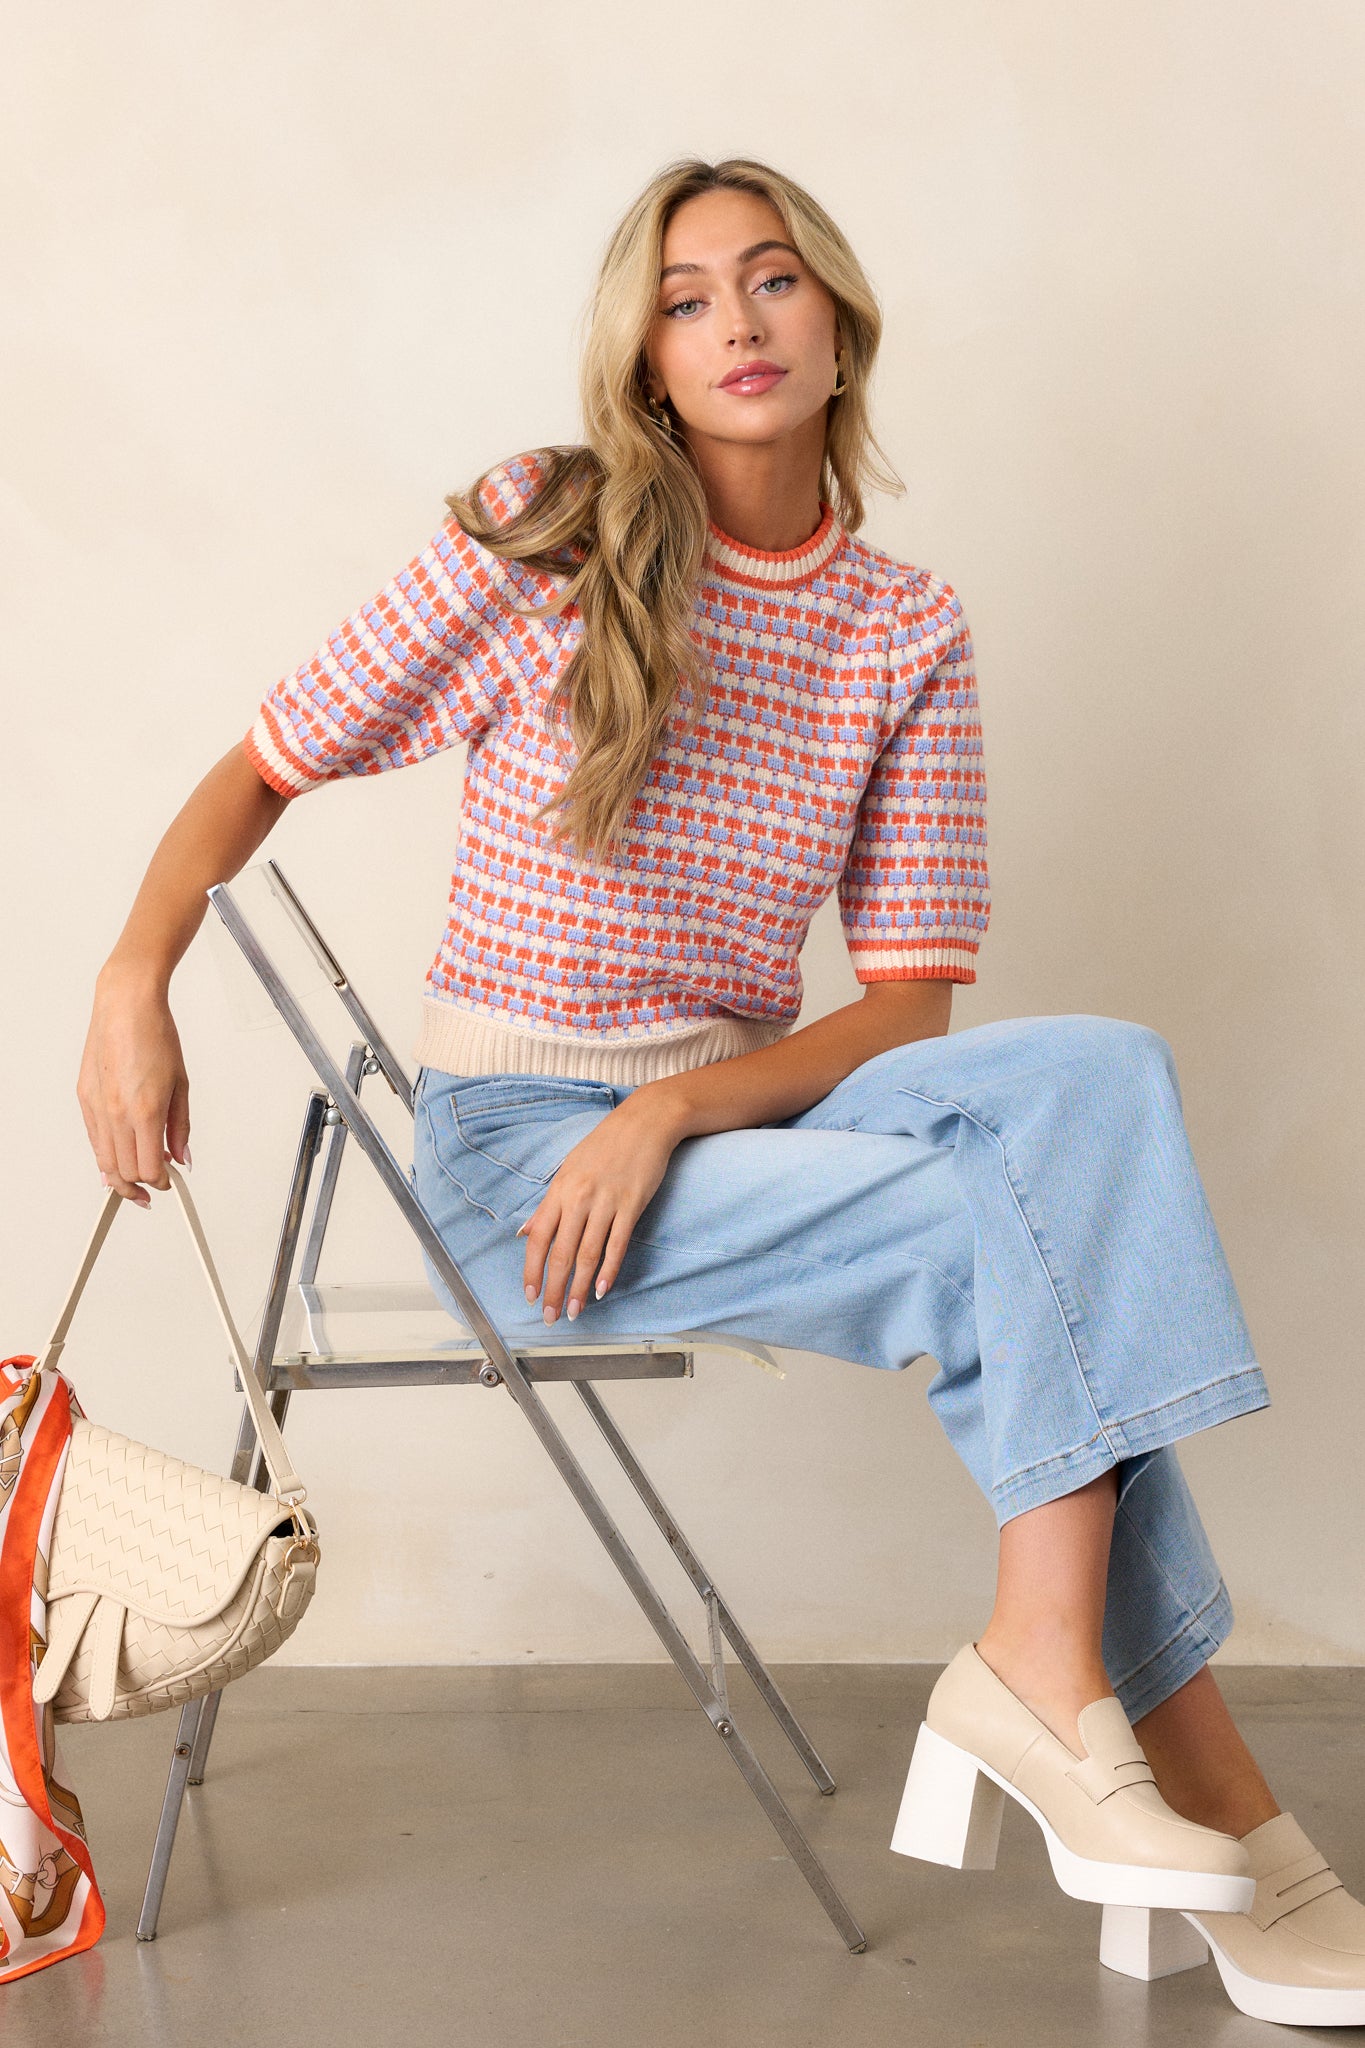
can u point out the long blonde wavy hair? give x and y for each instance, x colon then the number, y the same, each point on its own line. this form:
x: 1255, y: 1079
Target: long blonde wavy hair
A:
x: 630, y: 496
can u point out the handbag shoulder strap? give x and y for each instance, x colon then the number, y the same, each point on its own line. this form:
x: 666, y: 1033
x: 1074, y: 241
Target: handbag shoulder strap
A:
x: 286, y: 1480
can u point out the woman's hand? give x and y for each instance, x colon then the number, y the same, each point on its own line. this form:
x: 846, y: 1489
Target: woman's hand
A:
x: 594, y: 1200
x: 133, y: 1089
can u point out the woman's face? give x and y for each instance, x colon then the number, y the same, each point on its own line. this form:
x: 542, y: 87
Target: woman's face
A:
x: 733, y: 292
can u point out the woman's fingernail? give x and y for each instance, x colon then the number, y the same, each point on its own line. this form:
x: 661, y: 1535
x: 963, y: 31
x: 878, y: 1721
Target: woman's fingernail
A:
x: 185, y: 1159
x: 600, y: 1289
x: 530, y: 1292
x: 574, y: 1306
x: 105, y: 1181
x: 550, y: 1314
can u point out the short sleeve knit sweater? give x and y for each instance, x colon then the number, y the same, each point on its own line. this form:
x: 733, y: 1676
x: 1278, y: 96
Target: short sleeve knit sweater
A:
x: 840, y: 749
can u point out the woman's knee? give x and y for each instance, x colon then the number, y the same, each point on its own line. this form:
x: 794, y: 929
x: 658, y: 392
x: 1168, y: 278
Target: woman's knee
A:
x: 1106, y: 1050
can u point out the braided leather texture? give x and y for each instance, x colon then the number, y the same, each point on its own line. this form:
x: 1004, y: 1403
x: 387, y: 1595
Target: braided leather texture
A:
x: 193, y: 1589
x: 161, y: 1666
x: 163, y: 1538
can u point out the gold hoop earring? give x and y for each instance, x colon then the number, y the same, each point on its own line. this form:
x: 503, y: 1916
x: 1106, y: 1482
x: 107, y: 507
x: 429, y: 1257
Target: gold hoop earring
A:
x: 839, y: 389
x: 659, y: 416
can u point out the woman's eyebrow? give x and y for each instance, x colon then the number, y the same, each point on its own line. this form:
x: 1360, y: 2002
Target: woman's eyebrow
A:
x: 745, y: 256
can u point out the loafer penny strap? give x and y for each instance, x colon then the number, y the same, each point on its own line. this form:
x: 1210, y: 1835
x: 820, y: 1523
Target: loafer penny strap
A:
x: 1101, y: 1777
x: 1298, y: 1884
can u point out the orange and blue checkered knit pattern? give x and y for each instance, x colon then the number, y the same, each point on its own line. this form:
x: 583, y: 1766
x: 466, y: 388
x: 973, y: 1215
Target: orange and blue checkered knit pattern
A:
x: 839, y: 751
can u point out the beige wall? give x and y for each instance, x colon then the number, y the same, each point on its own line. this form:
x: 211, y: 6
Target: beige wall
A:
x: 288, y: 273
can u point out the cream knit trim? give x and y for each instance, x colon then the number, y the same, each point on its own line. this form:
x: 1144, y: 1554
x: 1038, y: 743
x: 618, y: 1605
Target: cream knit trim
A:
x: 460, y: 1041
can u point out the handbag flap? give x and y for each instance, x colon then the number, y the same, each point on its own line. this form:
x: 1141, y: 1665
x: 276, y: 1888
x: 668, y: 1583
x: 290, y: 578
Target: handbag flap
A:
x: 166, y: 1539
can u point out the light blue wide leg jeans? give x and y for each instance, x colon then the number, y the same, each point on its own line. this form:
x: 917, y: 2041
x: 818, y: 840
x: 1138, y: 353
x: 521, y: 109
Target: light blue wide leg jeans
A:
x: 1017, y: 1201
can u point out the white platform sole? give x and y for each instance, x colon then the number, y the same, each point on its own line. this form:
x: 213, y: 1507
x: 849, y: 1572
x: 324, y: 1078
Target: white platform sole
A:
x: 1145, y: 1944
x: 950, y: 1812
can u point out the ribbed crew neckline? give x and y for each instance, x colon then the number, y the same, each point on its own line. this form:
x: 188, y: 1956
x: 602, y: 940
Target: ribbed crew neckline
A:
x: 768, y: 570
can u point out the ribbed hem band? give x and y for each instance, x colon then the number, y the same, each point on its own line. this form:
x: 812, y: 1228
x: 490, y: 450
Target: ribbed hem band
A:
x: 463, y: 1042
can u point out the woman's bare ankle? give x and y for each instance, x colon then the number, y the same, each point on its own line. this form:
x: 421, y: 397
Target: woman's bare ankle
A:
x: 1056, y: 1683
x: 1203, y: 1766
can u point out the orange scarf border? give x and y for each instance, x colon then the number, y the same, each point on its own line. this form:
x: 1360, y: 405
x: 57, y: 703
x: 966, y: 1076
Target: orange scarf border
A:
x: 43, y: 1459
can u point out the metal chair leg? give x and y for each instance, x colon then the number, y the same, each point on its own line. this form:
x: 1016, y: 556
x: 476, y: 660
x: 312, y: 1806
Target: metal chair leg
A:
x: 709, y: 1696
x: 719, y: 1616
x: 170, y: 1816
x: 189, y: 1761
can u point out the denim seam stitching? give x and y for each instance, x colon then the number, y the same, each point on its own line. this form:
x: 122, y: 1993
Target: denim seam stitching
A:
x: 939, y: 1103
x: 1194, y: 1619
x: 503, y: 1165
x: 1140, y: 1415
x: 1159, y: 1408
x: 1192, y: 1614
x: 1205, y: 1387
x: 1040, y: 1465
x: 442, y: 1168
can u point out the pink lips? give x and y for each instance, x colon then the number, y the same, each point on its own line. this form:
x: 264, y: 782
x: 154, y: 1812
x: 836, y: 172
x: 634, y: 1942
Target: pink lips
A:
x: 747, y: 379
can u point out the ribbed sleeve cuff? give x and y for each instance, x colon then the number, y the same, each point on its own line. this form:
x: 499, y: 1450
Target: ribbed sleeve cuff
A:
x: 270, y: 764
x: 954, y: 960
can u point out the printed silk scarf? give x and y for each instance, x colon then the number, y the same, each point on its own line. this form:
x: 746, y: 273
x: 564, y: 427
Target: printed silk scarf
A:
x: 50, y: 1906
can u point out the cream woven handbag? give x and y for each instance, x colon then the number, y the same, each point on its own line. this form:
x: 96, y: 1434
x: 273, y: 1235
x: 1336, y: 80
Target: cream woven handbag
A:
x: 165, y: 1581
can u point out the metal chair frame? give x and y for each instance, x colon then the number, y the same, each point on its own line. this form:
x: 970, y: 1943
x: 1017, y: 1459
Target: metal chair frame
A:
x: 335, y: 1112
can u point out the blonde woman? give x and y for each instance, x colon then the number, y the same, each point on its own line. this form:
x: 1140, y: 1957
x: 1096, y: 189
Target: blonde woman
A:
x: 696, y: 703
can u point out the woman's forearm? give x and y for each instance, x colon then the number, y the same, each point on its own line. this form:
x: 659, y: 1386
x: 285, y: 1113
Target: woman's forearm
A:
x: 133, y: 1088
x: 780, y: 1080
x: 214, y: 834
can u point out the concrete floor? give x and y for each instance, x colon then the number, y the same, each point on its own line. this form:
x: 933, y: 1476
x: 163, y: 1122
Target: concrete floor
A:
x: 564, y: 1855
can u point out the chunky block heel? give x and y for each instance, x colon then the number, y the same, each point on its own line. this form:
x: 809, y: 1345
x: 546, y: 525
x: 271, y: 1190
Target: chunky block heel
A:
x: 950, y: 1810
x: 1110, y: 1835
x: 1149, y: 1942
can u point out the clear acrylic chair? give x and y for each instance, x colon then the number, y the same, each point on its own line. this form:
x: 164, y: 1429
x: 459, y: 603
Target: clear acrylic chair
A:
x: 313, y: 1335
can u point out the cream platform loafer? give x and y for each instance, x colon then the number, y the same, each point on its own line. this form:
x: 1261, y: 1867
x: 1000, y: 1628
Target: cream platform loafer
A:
x: 1109, y: 1833
x: 1297, y: 1957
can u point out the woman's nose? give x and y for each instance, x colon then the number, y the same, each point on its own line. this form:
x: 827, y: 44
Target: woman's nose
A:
x: 745, y: 327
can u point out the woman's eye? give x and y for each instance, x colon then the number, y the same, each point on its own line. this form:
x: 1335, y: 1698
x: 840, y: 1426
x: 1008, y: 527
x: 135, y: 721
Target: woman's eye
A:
x: 781, y: 277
